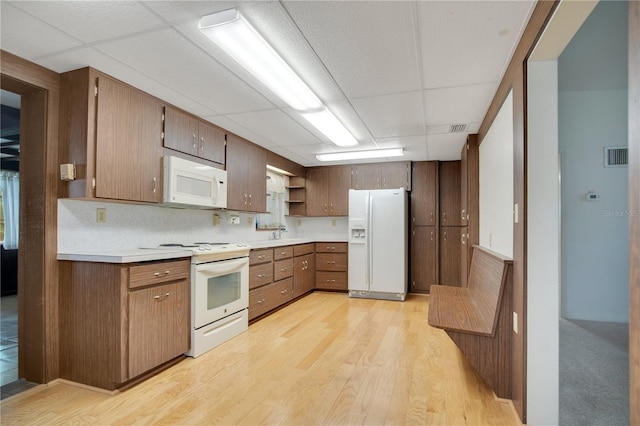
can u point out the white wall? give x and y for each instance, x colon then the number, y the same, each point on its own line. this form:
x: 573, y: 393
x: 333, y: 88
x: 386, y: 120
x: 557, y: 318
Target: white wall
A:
x: 496, y: 182
x: 595, y: 256
x: 543, y: 235
x: 132, y: 226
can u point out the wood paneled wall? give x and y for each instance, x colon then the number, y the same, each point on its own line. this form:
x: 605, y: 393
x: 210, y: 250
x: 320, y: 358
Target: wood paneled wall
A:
x: 514, y: 79
x: 634, y: 208
x: 38, y: 337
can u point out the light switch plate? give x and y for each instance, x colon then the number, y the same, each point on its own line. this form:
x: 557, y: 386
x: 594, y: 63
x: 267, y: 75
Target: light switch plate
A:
x: 101, y: 215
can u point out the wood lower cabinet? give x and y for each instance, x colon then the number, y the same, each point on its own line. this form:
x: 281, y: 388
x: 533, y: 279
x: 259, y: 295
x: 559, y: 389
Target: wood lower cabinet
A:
x: 246, y: 175
x: 157, y: 326
x: 112, y: 132
x: 424, y: 258
x: 117, y: 323
x: 304, y: 275
x: 269, y: 297
x: 450, y: 255
x: 190, y: 135
x: 331, y: 266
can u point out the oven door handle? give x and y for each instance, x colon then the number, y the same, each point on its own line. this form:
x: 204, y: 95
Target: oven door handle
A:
x: 224, y: 267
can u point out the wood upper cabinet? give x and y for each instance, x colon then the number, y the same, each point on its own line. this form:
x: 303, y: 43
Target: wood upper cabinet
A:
x: 122, y: 320
x: 381, y: 176
x: 246, y: 175
x: 424, y: 193
x: 327, y: 191
x: 424, y: 258
x: 450, y: 193
x: 113, y: 133
x: 191, y: 135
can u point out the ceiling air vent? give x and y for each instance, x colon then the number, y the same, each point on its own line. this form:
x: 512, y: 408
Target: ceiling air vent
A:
x: 457, y: 128
x: 615, y: 156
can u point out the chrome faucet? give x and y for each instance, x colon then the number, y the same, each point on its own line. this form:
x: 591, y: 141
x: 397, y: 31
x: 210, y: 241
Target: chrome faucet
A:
x: 277, y: 235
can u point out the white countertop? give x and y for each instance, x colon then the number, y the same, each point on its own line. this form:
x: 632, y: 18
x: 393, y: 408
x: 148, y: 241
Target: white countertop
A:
x: 125, y: 255
x: 291, y: 241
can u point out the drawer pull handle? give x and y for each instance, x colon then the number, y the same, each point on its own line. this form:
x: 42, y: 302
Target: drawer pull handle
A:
x: 261, y: 257
x: 331, y: 262
x: 261, y: 301
x: 283, y: 269
x: 331, y: 248
x: 161, y: 274
x: 283, y: 291
x: 331, y: 281
x: 262, y: 275
x: 161, y: 297
x: 283, y: 253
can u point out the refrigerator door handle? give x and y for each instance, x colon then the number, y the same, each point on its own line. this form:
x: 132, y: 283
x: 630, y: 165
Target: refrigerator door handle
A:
x: 369, y: 239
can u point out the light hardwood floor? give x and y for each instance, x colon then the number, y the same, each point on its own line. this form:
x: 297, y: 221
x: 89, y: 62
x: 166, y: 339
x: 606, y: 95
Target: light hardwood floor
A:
x: 325, y: 359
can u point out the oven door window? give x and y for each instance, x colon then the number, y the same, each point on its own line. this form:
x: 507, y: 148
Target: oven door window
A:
x: 223, y: 290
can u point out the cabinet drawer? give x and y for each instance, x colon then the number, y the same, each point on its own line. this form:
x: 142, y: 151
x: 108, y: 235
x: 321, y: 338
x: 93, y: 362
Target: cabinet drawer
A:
x: 264, y: 299
x: 260, y: 256
x: 331, y: 247
x: 331, y: 262
x: 331, y: 280
x: 282, y: 252
x: 303, y: 249
x: 260, y: 275
x: 158, y: 272
x: 282, y: 269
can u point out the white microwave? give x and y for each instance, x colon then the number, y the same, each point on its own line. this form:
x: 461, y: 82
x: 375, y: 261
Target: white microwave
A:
x: 191, y: 184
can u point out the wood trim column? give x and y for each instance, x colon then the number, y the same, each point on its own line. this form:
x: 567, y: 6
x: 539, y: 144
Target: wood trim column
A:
x: 634, y: 210
x: 38, y: 341
x: 515, y: 80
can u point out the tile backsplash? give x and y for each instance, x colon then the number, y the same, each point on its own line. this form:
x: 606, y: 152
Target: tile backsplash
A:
x: 132, y: 226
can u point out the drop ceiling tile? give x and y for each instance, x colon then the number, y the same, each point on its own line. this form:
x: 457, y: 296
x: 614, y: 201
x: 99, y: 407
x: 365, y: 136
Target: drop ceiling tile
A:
x: 445, y: 147
x: 179, y: 11
x: 271, y: 21
x: 87, y: 56
x: 91, y: 21
x: 369, y: 47
x: 468, y: 42
x: 275, y: 126
x: 180, y: 64
x: 392, y: 115
x: 458, y: 105
x: 29, y: 37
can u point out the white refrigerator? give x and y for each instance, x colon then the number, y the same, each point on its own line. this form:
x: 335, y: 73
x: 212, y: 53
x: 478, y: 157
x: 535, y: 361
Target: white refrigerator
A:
x: 378, y: 244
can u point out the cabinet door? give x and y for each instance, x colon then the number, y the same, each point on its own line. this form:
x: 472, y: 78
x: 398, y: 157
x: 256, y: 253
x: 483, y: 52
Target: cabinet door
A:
x: 339, y: 180
x: 211, y: 141
x: 304, y: 274
x: 145, y: 337
x: 237, y: 173
x: 424, y: 193
x: 395, y: 175
x: 309, y: 282
x: 180, y: 131
x: 464, y: 185
x: 465, y: 256
x: 118, y: 137
x: 317, y: 190
x: 150, y: 151
x: 365, y: 176
x: 450, y: 193
x: 175, y: 323
x: 256, y: 172
x: 424, y: 258
x: 450, y: 255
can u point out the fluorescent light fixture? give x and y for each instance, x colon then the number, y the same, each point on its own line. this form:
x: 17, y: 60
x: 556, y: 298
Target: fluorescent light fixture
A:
x: 359, y: 155
x: 274, y: 169
x: 331, y: 127
x: 237, y: 37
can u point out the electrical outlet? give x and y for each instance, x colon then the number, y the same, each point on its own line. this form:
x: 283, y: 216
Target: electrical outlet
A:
x: 299, y: 222
x: 216, y: 219
x: 249, y: 220
x: 101, y: 215
x: 515, y: 322
x: 333, y: 222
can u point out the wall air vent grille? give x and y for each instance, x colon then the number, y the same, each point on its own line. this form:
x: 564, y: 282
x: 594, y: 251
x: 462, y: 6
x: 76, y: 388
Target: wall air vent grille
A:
x: 616, y: 156
x: 457, y: 128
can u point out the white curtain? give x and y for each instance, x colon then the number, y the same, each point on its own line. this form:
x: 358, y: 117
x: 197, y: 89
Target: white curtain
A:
x: 10, y: 188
